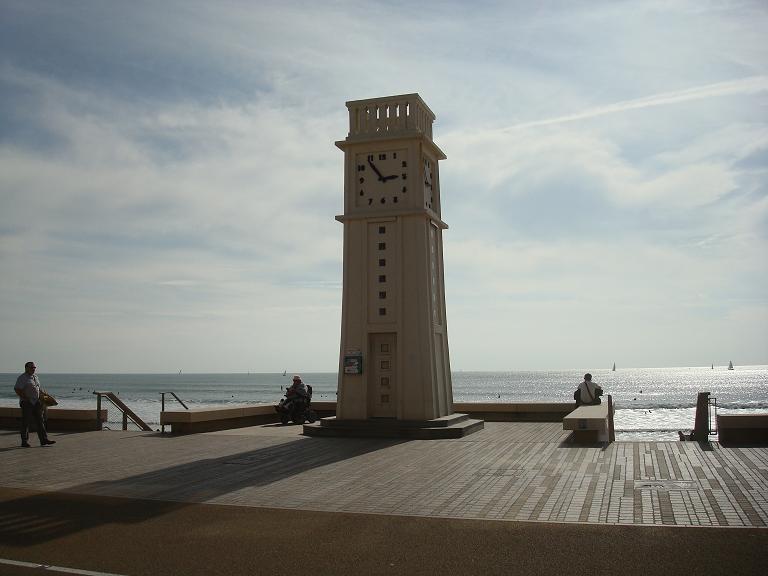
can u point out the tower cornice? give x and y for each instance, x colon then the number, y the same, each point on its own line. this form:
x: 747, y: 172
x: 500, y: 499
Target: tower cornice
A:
x: 390, y: 139
x: 427, y: 214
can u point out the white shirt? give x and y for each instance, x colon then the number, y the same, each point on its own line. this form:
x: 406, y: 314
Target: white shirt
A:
x: 30, y: 386
x: 587, y: 392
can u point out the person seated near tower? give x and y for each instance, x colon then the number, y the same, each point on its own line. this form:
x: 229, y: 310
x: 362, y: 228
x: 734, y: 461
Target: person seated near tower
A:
x: 297, y: 390
x: 589, y: 393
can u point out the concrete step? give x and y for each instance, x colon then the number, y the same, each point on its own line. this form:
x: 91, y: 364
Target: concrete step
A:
x: 455, y: 428
x: 443, y: 421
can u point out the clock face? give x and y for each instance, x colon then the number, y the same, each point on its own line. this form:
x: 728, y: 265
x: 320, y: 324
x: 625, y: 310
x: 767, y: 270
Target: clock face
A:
x: 381, y: 178
x: 429, y: 179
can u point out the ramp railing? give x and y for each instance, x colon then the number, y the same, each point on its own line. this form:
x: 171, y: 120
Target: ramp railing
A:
x: 120, y: 405
x: 712, y: 409
x: 162, y: 406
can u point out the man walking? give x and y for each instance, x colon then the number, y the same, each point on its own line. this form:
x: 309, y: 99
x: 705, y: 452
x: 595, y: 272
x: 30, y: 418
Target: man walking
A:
x: 28, y: 390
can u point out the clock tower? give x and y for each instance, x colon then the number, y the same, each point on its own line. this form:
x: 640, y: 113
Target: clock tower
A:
x: 394, y: 367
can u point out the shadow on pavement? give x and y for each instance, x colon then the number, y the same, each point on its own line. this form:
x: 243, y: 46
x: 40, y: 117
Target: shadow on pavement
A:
x: 33, y: 519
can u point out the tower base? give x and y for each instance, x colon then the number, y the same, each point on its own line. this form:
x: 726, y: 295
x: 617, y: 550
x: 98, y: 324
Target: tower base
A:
x: 451, y: 426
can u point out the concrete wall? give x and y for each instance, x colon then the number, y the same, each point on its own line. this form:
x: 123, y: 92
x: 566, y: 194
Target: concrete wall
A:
x: 59, y: 419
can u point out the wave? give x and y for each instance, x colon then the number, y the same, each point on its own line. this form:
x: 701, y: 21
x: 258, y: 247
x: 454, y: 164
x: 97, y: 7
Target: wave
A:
x: 743, y: 405
x: 647, y: 429
x: 654, y: 406
x: 752, y: 405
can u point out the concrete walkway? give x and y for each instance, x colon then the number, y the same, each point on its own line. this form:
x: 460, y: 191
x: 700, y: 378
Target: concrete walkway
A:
x: 386, y: 500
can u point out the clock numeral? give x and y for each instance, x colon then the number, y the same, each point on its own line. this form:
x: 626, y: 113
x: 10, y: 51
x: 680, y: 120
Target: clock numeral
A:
x: 405, y: 189
x: 394, y: 199
x: 405, y: 164
x: 361, y: 192
x: 383, y: 200
x: 394, y: 155
x: 362, y: 180
x: 370, y: 156
x: 382, y: 156
x: 405, y: 176
x: 370, y: 201
x: 361, y: 167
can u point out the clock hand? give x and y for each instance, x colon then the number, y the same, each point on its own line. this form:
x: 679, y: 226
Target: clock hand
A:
x: 372, y: 165
x: 390, y: 177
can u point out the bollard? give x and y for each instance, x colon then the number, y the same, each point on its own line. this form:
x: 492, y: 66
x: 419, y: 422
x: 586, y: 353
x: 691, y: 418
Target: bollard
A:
x: 701, y: 424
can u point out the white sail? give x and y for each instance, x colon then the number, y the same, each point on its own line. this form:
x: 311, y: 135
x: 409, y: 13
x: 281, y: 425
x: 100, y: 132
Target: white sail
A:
x: 730, y: 365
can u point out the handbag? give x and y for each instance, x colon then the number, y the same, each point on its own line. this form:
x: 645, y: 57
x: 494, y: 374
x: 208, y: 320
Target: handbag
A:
x: 46, y: 399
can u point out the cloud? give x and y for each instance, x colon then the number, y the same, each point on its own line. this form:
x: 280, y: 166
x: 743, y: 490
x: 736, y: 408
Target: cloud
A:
x: 170, y: 195
x: 748, y: 86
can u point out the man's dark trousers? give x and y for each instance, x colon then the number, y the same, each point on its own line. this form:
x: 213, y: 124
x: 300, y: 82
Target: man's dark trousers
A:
x: 32, y: 413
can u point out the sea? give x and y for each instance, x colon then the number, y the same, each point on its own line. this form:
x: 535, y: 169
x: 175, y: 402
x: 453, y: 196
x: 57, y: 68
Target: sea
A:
x: 652, y: 404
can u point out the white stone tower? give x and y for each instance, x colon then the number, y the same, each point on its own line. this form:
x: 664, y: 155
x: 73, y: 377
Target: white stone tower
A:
x: 394, y: 369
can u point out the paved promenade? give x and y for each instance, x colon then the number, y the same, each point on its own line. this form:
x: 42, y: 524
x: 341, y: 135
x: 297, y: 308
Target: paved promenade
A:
x: 524, y: 474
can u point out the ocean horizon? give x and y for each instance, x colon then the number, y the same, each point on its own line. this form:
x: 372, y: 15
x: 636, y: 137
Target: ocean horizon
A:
x: 651, y: 403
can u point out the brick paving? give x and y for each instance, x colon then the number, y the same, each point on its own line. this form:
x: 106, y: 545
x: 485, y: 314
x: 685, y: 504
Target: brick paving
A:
x: 508, y: 471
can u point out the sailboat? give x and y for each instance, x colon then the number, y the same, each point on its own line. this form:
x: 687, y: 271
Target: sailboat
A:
x: 614, y: 367
x: 283, y: 372
x: 730, y: 365
x: 713, y: 366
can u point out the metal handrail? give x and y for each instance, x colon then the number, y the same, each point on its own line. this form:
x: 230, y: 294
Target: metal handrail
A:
x: 179, y: 400
x: 120, y: 405
x: 162, y: 406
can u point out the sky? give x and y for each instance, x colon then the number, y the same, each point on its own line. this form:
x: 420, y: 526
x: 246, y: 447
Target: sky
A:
x: 169, y: 180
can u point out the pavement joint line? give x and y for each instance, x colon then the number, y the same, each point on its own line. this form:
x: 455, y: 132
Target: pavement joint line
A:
x: 49, y: 568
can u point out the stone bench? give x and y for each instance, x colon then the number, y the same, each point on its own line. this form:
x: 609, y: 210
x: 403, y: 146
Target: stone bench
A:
x: 590, y: 424
x: 59, y: 419
x: 742, y: 428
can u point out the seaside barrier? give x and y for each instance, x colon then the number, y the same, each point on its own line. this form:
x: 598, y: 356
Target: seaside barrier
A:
x: 742, y: 429
x: 212, y: 419
x: 515, y: 411
x: 58, y: 419
x: 197, y: 420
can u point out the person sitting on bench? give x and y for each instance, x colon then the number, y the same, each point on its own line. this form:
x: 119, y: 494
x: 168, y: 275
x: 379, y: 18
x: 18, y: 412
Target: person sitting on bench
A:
x: 589, y: 392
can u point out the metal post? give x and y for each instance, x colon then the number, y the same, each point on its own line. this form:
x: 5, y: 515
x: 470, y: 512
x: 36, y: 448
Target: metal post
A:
x: 125, y: 421
x: 611, y: 432
x: 701, y: 424
x: 162, y: 409
x: 98, y: 411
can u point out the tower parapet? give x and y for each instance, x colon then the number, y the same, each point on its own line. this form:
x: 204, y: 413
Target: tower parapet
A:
x: 389, y: 116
